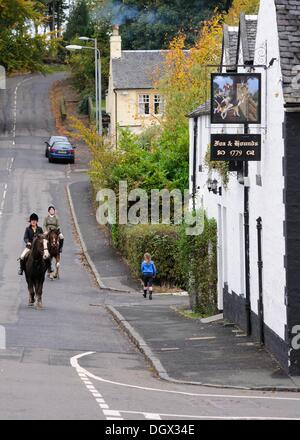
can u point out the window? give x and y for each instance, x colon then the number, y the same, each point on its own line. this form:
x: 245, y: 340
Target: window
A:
x: 144, y: 104
x: 158, y: 105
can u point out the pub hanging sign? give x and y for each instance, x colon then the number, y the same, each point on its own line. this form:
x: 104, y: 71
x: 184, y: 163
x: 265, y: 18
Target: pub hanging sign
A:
x: 236, y: 147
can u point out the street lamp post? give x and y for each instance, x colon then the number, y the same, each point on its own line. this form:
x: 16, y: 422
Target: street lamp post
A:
x: 98, y: 93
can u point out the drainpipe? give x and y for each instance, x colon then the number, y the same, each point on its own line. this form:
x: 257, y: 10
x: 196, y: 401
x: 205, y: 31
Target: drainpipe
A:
x: 195, y: 161
x: 260, y: 283
x: 247, y: 244
x: 116, y: 116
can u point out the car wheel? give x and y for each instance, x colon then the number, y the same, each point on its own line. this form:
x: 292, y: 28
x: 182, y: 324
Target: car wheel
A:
x: 49, y: 159
x: 72, y: 161
x: 46, y: 152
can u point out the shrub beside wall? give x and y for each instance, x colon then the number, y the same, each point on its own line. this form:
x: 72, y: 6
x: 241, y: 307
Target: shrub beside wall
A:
x: 161, y: 241
x: 189, y: 262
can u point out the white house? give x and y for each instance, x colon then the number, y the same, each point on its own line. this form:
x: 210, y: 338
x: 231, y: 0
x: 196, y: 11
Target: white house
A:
x: 263, y: 299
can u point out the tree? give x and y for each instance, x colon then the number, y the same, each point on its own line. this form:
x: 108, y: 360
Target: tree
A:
x: 79, y: 22
x: 19, y: 49
x: 54, y: 15
x: 238, y: 6
x: 152, y: 24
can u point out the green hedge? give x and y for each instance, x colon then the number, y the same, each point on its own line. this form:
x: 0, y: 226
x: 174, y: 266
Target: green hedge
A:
x: 189, y: 262
x: 161, y: 241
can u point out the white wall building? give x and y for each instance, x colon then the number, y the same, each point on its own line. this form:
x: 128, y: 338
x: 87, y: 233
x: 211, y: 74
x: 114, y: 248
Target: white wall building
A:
x: 270, y: 40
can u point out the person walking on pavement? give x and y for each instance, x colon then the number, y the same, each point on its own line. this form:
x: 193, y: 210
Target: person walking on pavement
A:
x: 148, y: 270
x: 51, y: 222
x: 30, y: 233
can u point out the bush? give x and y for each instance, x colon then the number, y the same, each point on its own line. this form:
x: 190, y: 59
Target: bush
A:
x: 185, y: 261
x: 161, y: 241
x: 198, y: 255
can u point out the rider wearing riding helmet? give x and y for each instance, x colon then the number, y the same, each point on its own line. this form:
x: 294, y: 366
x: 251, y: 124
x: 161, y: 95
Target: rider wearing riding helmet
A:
x: 30, y: 233
x: 51, y: 222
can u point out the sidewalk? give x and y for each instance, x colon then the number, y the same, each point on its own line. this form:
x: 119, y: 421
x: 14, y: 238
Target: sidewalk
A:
x: 179, y: 349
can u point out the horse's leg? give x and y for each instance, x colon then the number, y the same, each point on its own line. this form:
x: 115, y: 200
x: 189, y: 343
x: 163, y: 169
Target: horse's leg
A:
x: 57, y: 266
x: 39, y: 292
x: 31, y: 294
x: 50, y: 274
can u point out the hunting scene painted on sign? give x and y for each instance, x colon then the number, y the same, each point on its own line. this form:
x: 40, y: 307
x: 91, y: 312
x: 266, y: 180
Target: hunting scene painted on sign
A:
x: 235, y: 98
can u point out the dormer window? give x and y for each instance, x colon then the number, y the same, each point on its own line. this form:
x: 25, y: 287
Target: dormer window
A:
x: 144, y: 104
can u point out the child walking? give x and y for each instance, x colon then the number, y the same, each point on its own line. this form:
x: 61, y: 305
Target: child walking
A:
x: 148, y: 270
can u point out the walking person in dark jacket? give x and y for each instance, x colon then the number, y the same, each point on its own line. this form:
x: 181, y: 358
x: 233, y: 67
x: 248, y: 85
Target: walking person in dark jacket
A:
x: 148, y: 270
x: 30, y: 233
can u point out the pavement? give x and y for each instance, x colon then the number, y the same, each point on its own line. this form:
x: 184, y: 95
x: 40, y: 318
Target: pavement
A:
x: 181, y: 350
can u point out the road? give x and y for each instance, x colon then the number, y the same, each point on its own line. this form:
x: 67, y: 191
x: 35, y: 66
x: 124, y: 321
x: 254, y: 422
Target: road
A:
x: 69, y: 360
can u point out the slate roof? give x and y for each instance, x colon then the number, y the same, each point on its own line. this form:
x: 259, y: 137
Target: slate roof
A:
x: 230, y: 43
x: 137, y: 69
x: 288, y: 23
x: 247, y: 32
x: 203, y: 109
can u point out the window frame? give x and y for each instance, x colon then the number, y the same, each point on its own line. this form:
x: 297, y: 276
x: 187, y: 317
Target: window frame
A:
x: 143, y: 102
x: 160, y: 103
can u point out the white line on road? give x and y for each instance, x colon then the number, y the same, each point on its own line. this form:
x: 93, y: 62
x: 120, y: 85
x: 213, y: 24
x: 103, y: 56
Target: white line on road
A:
x: 185, y: 416
x: 75, y: 364
x: 10, y: 164
x: 150, y: 416
x: 3, y: 200
x: 98, y: 397
x: 15, y: 108
x: 2, y: 338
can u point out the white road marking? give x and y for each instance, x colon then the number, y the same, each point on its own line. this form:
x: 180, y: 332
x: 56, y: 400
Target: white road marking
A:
x: 97, y: 396
x: 151, y: 416
x: 2, y: 338
x: 3, y: 200
x: 185, y: 416
x: 10, y: 164
x: 15, y: 108
x: 110, y: 412
x: 75, y: 364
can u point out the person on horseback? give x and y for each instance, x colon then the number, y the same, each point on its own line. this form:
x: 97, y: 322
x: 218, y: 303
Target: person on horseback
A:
x: 30, y: 233
x: 52, y: 222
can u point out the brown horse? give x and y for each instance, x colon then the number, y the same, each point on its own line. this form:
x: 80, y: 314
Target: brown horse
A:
x: 53, y: 238
x: 36, y: 265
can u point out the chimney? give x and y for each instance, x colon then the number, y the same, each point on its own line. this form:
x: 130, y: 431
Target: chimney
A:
x: 115, y: 43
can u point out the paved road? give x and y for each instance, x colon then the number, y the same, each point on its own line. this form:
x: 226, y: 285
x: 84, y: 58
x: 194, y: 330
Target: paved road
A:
x: 70, y: 361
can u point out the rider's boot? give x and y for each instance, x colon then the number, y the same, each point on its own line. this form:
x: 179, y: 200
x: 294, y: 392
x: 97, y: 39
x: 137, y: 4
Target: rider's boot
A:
x: 21, y: 269
x: 61, y: 245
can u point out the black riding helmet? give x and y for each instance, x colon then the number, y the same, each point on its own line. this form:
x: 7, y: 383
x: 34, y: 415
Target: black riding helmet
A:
x: 34, y: 217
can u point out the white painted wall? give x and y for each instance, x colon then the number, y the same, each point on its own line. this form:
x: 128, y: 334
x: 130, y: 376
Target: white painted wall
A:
x: 265, y: 201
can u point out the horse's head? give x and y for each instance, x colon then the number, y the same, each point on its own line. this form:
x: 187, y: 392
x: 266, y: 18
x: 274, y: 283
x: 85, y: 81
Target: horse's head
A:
x: 40, y: 247
x: 53, y: 238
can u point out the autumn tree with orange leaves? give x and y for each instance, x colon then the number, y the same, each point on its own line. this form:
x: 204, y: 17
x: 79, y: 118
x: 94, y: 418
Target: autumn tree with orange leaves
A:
x: 184, y: 84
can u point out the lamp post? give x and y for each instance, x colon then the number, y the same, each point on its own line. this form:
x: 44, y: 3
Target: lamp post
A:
x: 73, y: 47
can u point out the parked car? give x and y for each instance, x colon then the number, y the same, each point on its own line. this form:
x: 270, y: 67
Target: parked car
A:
x: 61, y: 151
x: 51, y: 141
